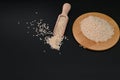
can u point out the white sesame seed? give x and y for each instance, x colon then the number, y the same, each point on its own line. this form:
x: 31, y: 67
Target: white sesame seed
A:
x: 18, y: 22
x: 36, y: 12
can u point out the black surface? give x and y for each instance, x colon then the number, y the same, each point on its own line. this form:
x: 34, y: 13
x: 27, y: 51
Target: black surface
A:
x: 23, y: 57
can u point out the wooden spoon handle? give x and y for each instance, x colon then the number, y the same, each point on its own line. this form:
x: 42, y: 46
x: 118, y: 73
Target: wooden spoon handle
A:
x: 62, y: 21
x: 66, y: 8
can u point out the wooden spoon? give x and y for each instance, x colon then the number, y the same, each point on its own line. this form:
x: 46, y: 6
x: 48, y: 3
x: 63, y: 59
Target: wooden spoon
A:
x: 62, y: 21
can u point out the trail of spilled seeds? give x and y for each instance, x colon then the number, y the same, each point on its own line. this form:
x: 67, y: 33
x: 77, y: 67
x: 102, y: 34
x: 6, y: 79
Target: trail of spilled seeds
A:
x: 41, y: 29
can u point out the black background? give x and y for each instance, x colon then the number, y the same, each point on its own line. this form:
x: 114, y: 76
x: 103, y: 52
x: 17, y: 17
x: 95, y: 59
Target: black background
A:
x: 23, y: 57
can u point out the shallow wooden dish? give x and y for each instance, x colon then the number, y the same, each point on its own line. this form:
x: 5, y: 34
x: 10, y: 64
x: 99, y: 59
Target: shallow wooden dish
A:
x: 86, y: 43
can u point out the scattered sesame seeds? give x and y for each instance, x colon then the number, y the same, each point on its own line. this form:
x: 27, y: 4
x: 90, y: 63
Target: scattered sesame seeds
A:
x: 41, y: 39
x: 26, y: 22
x: 28, y: 32
x: 28, y: 27
x: 60, y: 53
x: 36, y: 12
x: 37, y: 35
x: 18, y: 22
x: 40, y: 29
x: 44, y: 51
x: 66, y: 38
x: 33, y: 28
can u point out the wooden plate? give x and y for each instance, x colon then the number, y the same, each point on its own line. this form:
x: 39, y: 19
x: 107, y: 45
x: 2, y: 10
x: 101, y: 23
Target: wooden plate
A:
x: 89, y: 44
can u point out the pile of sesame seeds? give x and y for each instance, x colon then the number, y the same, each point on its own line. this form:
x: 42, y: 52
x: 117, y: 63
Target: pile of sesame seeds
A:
x: 41, y: 29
